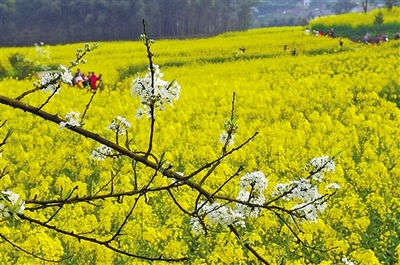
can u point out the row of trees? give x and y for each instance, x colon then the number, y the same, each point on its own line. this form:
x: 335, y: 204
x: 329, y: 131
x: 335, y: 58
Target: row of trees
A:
x: 344, y: 6
x: 57, y: 21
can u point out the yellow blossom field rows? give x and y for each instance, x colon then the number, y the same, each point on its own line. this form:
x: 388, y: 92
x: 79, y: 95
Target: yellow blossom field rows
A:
x: 326, y: 100
x: 357, y: 19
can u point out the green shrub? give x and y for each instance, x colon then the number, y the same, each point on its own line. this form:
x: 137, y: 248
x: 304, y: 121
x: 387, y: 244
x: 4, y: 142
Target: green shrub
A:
x: 3, y: 72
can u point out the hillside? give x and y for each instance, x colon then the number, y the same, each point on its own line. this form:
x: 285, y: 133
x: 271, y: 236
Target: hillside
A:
x: 326, y: 100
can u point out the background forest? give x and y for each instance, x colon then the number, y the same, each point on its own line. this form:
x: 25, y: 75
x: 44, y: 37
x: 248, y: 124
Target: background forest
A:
x: 55, y: 21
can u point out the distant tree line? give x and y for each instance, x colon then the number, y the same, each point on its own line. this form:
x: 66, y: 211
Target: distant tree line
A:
x: 59, y: 21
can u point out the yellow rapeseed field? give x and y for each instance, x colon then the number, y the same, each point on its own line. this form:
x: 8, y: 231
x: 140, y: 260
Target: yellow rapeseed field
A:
x: 326, y: 100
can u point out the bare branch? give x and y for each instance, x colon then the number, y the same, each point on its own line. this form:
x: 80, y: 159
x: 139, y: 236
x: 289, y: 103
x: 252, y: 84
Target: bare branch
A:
x: 31, y: 253
x: 106, y: 244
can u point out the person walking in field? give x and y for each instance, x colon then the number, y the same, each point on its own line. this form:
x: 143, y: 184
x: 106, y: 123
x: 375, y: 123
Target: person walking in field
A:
x: 79, y: 80
x: 331, y: 33
x: 367, y: 37
x: 93, y: 81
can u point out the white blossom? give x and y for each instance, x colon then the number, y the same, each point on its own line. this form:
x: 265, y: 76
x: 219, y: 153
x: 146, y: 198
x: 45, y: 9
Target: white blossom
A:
x: 254, y: 181
x: 66, y: 75
x: 333, y: 186
x: 4, y: 213
x: 119, y: 125
x: 154, y: 93
x: 248, y: 211
x: 252, y: 187
x: 280, y: 189
x: 307, y: 211
x: 310, y: 201
x: 217, y: 215
x: 101, y: 153
x: 48, y: 82
x: 347, y: 261
x: 223, y: 138
x: 15, y: 205
x: 319, y: 165
x: 72, y: 119
x: 141, y: 112
x: 196, y: 225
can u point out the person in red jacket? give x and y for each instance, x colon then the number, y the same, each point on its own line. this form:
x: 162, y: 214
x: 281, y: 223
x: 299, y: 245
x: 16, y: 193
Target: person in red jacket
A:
x: 93, y: 81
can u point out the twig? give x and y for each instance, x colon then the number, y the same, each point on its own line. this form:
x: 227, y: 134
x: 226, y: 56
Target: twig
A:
x: 31, y: 253
x: 87, y: 106
x: 98, y: 242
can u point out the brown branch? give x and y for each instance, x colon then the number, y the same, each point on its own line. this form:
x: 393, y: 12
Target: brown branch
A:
x: 230, y: 132
x: 135, y: 156
x: 248, y: 246
x: 118, y: 233
x: 31, y: 253
x: 52, y: 94
x: 87, y: 106
x: 98, y: 242
x: 113, y: 176
x: 226, y: 181
x: 62, y: 205
x: 152, y: 109
x: 177, y: 203
x: 28, y: 92
x: 196, y: 172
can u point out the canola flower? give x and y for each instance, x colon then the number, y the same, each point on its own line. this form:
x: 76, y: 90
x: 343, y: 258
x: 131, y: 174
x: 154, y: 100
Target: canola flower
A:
x: 317, y: 103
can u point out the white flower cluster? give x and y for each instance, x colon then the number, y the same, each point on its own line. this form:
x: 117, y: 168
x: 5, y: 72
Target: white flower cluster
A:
x: 101, y: 153
x: 228, y: 136
x: 252, y: 187
x: 72, y: 119
x: 119, y: 125
x: 49, y: 82
x: 66, y: 75
x: 41, y: 53
x: 347, y: 261
x: 303, y: 191
x: 154, y: 94
x: 223, y: 138
x: 217, y: 215
x: 12, y: 204
x: 319, y: 165
x: 333, y: 185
